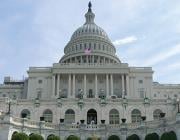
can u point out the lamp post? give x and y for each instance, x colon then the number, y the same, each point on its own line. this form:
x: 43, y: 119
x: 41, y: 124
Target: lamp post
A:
x: 40, y: 124
x: 23, y: 120
x: 59, y: 104
x: 59, y: 126
x: 9, y: 102
x: 177, y: 101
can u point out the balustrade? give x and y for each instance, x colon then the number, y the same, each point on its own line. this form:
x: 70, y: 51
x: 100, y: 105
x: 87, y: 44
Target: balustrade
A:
x: 130, y: 126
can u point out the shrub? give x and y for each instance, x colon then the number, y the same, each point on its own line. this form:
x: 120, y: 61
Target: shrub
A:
x: 53, y: 137
x: 155, y: 136
x: 172, y: 135
x: 165, y: 136
x: 35, y: 137
x: 152, y: 136
x: 113, y: 137
x: 148, y: 137
x: 73, y: 138
x: 20, y: 136
x: 133, y: 137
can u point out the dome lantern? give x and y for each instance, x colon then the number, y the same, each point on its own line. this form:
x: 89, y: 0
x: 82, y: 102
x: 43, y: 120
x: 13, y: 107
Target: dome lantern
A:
x: 89, y: 15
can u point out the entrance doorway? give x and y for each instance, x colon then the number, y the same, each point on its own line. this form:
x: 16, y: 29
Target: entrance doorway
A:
x: 92, y: 117
x: 90, y: 93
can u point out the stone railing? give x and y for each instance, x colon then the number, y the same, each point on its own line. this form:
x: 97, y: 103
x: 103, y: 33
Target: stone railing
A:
x: 20, y: 122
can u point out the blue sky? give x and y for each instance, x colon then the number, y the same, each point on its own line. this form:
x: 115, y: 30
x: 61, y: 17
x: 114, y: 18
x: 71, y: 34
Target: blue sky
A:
x: 145, y: 33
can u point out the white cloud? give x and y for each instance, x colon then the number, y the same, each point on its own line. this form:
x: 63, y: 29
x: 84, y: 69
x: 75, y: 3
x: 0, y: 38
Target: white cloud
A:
x: 174, y: 66
x: 125, y: 40
x: 162, y: 56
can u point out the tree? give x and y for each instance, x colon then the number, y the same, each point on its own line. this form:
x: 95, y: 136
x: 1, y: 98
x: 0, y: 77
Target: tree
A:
x: 113, y: 137
x: 133, y: 137
x: 35, y: 137
x: 148, y: 137
x: 152, y: 136
x: 72, y: 137
x: 20, y: 136
x: 165, y: 136
x: 155, y: 136
x: 172, y: 135
x: 93, y: 138
x: 53, y: 137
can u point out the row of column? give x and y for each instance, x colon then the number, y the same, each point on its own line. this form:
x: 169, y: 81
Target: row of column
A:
x: 89, y: 58
x: 56, y: 85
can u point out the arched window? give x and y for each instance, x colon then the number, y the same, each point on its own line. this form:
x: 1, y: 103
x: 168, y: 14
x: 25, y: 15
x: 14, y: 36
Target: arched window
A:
x: 25, y: 113
x: 48, y: 115
x: 156, y: 114
x: 69, y: 116
x: 113, y: 117
x: 136, y: 116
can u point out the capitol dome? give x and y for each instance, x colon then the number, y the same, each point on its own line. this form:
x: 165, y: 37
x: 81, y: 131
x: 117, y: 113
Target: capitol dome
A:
x: 89, y: 44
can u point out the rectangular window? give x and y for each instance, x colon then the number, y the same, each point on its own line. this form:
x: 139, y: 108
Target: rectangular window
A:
x: 94, y: 46
x: 89, y: 45
x: 40, y: 81
x: 80, y: 46
x: 141, y: 92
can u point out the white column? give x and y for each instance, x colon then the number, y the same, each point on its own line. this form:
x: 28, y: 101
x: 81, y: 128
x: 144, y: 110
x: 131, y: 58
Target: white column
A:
x: 93, y: 59
x: 87, y: 59
x: 53, y: 85
x: 69, y: 86
x: 107, y: 85
x: 96, y: 92
x: 81, y: 59
x: 127, y: 85
x: 76, y: 59
x: 111, y: 76
x: 123, y: 90
x: 85, y: 86
x: 98, y: 59
x: 74, y: 89
x: 58, y: 82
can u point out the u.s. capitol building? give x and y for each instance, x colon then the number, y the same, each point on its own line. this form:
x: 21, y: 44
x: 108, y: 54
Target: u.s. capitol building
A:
x: 88, y: 92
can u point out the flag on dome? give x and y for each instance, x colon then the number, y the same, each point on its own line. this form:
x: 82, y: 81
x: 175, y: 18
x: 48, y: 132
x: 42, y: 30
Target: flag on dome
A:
x: 87, y: 51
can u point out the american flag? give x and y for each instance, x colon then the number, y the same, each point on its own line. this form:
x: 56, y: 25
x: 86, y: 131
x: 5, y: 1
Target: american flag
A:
x: 87, y: 51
